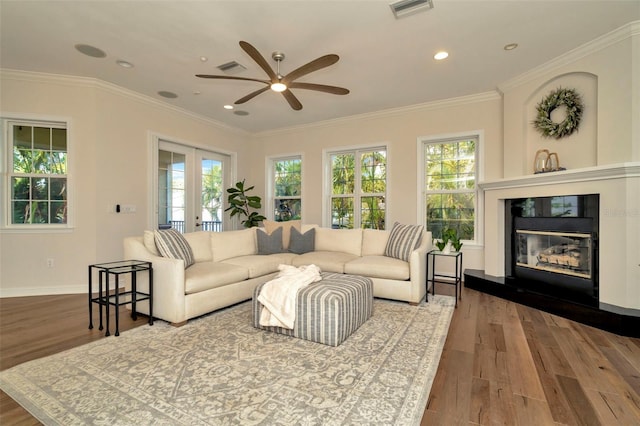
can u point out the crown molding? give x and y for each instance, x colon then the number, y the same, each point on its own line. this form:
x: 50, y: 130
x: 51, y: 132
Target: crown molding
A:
x: 94, y: 83
x: 440, y: 104
x: 625, y: 32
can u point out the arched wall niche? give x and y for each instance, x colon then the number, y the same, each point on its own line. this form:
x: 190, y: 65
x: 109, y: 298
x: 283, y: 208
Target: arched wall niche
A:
x: 578, y: 149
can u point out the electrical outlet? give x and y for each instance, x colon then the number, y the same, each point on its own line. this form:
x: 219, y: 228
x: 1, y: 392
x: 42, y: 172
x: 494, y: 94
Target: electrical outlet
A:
x: 50, y: 263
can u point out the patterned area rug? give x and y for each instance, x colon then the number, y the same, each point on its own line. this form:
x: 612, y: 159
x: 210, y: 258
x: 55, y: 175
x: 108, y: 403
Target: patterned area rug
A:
x: 218, y: 369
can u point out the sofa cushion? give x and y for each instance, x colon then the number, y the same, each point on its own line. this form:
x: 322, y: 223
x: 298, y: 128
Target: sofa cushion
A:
x: 327, y: 261
x: 259, y: 265
x: 374, y: 242
x: 302, y: 243
x: 149, y: 241
x: 172, y: 244
x: 228, y: 244
x: 269, y: 243
x: 342, y: 240
x: 200, y: 243
x: 207, y: 275
x: 378, y: 267
x: 270, y: 226
x: 403, y: 240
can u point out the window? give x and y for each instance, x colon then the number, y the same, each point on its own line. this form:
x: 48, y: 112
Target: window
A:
x: 37, y: 179
x: 449, y: 186
x: 286, y: 193
x: 358, y: 188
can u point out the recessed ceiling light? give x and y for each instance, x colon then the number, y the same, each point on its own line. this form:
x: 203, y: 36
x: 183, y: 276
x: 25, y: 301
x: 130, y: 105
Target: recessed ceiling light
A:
x: 166, y: 94
x: 510, y: 46
x: 92, y: 51
x: 124, y: 64
x: 197, y: 92
x: 203, y: 59
x: 228, y: 107
x: 441, y: 55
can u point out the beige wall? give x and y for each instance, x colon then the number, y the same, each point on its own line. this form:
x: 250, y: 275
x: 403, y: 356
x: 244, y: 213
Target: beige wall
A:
x: 399, y: 131
x: 110, y: 140
x: 604, y: 74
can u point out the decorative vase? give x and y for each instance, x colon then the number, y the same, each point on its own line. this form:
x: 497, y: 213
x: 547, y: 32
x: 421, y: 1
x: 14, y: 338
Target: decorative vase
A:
x: 447, y: 248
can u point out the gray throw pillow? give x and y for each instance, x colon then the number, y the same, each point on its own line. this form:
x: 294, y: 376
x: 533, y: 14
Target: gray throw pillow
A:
x: 403, y: 239
x: 269, y: 243
x: 302, y: 243
x: 172, y: 244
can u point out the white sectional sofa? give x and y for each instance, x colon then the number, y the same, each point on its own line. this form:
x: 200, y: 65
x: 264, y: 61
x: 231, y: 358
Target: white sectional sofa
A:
x: 228, y: 267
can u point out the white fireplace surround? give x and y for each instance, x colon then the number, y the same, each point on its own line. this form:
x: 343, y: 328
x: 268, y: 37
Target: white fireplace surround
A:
x: 619, y: 241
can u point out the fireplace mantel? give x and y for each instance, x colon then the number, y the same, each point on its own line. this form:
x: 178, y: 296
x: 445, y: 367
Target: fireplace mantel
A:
x: 598, y: 173
x: 618, y: 186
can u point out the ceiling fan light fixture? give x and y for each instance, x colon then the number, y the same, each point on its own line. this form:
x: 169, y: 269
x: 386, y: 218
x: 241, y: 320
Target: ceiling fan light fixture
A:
x: 278, y: 87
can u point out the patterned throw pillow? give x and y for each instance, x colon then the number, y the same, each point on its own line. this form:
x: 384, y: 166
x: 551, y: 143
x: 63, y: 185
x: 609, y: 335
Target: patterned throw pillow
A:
x: 302, y: 243
x: 269, y: 243
x: 171, y: 244
x: 403, y: 240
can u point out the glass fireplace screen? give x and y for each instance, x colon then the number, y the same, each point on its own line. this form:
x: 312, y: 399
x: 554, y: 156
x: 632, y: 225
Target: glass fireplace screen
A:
x: 559, y: 252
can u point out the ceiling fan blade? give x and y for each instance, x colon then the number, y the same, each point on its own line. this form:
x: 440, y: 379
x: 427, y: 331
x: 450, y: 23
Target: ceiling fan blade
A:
x: 334, y: 90
x: 251, y: 95
x: 256, y: 56
x: 229, y: 77
x: 293, y: 101
x: 315, y: 65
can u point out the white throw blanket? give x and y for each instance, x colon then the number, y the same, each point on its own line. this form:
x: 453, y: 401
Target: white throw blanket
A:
x: 278, y: 296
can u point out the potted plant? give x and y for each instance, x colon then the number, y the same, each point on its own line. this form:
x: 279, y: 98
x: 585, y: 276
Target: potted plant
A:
x: 240, y: 204
x: 449, y: 239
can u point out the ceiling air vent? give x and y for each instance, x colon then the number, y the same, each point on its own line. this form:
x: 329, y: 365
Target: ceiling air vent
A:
x: 407, y: 7
x: 231, y: 67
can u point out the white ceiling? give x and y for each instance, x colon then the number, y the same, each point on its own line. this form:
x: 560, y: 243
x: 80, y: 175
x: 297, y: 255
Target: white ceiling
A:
x: 385, y: 62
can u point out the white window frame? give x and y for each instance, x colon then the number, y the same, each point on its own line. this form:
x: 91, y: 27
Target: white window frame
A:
x: 327, y: 177
x: 6, y: 171
x: 479, y: 194
x: 271, y: 184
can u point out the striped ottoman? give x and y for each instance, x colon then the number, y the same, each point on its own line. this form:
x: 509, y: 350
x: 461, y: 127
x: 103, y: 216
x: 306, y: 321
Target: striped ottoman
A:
x: 327, y: 311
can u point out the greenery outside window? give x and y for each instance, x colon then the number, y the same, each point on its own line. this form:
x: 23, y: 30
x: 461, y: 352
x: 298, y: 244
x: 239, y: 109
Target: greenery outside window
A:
x: 286, y: 194
x: 38, y: 175
x: 358, y: 188
x: 450, y: 191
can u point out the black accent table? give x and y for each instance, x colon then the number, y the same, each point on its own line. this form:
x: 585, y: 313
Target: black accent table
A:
x: 453, y: 279
x: 106, y: 299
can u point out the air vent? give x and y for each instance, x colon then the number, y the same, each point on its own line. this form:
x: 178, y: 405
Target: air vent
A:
x: 407, y: 7
x: 231, y: 67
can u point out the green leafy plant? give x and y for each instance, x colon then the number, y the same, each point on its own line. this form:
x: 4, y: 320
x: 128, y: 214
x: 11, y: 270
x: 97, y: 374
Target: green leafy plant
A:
x: 449, y: 235
x: 241, y: 204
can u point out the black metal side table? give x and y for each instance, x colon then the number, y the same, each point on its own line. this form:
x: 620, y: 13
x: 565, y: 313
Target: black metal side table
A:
x: 453, y: 279
x: 106, y: 299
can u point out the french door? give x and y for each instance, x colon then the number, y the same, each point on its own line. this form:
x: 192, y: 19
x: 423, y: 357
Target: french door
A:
x: 190, y: 188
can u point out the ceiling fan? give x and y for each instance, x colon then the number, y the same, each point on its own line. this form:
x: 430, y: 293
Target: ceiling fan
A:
x: 283, y: 84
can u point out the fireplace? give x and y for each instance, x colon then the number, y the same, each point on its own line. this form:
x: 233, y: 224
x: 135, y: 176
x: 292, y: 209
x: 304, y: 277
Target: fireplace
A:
x: 552, y: 246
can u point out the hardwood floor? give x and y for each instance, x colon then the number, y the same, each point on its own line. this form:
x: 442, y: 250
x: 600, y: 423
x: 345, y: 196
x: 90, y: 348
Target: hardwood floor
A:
x: 502, y: 363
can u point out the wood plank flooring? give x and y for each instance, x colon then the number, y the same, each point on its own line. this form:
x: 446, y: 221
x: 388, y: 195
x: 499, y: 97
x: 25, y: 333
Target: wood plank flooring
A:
x: 502, y: 363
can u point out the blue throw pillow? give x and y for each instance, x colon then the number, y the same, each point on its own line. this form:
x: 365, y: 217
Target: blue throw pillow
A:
x: 302, y: 243
x: 269, y: 243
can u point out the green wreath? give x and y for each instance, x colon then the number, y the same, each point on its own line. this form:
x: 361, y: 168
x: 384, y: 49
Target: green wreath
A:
x: 572, y: 101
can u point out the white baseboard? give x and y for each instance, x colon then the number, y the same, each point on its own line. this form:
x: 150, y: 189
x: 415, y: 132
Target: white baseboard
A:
x: 42, y: 291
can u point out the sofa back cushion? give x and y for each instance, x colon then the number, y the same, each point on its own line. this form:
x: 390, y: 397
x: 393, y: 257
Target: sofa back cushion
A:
x: 342, y: 240
x: 228, y: 244
x: 200, y: 243
x: 374, y: 242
